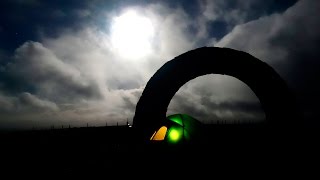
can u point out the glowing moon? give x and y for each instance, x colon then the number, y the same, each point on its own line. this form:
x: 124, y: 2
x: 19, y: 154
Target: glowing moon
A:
x: 131, y: 35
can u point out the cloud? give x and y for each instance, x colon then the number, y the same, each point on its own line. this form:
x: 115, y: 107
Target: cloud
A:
x: 25, y: 111
x: 38, y: 67
x: 232, y: 12
x: 82, y: 13
x: 285, y: 34
x: 33, y: 103
x: 289, y: 43
x: 213, y: 98
x: 25, y: 102
x: 6, y: 104
x: 220, y: 17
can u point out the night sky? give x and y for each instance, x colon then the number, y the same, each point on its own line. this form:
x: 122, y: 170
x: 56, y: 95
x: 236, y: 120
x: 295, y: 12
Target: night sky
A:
x: 78, y: 62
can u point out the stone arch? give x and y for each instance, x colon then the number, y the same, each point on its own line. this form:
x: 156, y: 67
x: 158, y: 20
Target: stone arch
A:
x: 272, y: 91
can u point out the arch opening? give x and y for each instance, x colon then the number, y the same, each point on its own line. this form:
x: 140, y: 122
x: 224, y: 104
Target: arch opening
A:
x: 217, y: 99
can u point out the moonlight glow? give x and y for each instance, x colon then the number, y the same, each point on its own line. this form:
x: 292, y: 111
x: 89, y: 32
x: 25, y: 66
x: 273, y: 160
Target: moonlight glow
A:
x: 131, y: 35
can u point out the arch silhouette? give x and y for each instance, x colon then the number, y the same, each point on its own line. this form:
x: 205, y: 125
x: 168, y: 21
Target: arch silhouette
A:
x: 274, y: 95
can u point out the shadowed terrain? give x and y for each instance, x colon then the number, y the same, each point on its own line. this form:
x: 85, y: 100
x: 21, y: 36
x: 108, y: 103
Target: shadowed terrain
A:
x: 109, y: 151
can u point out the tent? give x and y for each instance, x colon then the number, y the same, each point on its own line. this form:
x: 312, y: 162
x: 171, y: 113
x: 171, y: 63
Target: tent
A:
x: 177, y: 129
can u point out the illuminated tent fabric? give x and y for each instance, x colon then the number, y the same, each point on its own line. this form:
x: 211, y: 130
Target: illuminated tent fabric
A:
x: 178, y: 128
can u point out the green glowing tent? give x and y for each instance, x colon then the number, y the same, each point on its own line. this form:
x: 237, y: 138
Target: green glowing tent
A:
x: 178, y: 128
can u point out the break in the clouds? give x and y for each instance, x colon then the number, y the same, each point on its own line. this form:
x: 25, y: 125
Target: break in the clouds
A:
x: 82, y: 74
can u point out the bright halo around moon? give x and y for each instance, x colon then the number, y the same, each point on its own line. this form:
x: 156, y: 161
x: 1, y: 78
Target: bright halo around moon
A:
x: 131, y: 35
